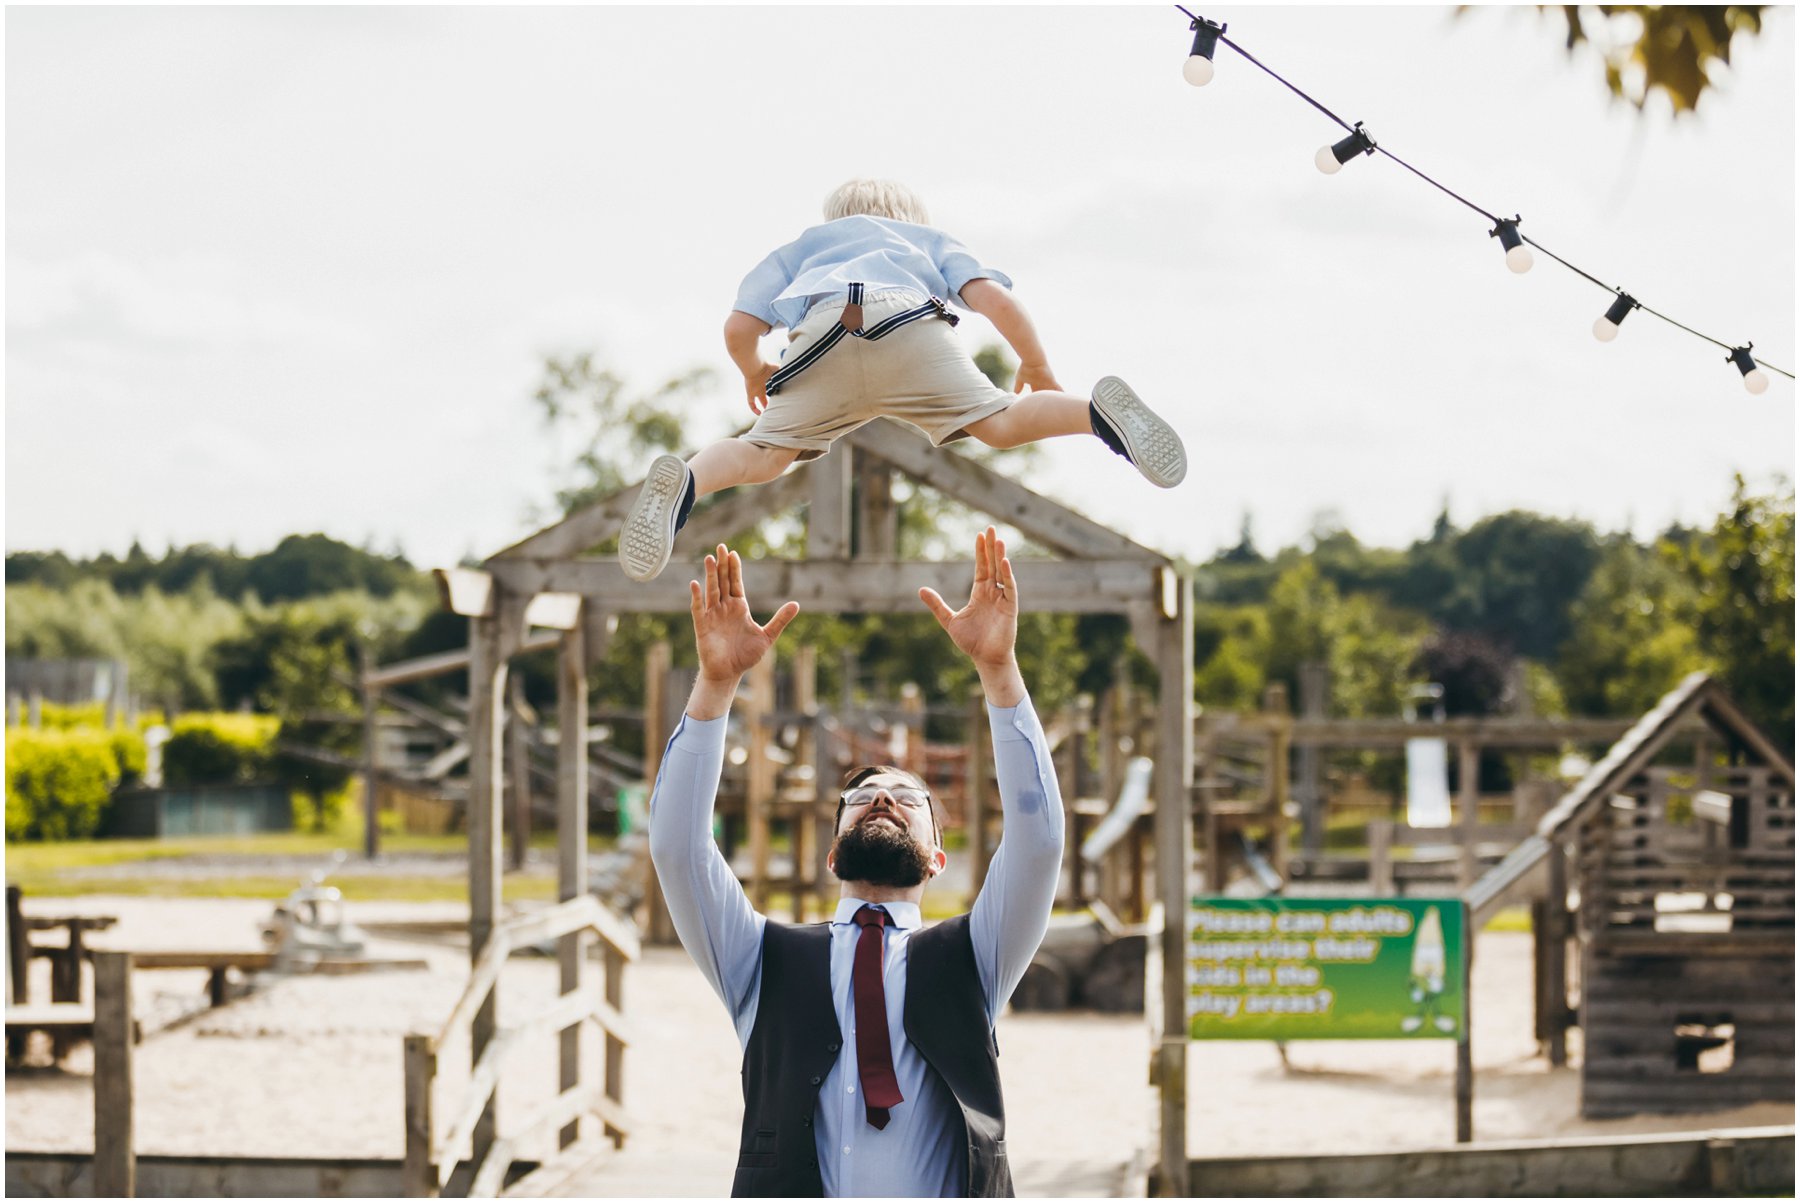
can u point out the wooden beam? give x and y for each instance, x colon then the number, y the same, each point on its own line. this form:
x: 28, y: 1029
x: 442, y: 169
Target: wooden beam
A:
x: 571, y: 841
x: 465, y: 591
x: 487, y: 694
x: 580, y: 532
x: 437, y: 664
x: 559, y: 610
x: 1174, y: 652
x: 877, y: 518
x: 828, y: 511
x: 882, y: 587
x: 115, y: 1154
x: 742, y: 510
x: 981, y: 488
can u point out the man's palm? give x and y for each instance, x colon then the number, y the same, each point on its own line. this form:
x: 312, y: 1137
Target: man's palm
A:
x: 729, y: 641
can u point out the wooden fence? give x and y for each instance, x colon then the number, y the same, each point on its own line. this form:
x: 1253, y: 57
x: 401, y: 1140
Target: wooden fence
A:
x: 431, y: 1161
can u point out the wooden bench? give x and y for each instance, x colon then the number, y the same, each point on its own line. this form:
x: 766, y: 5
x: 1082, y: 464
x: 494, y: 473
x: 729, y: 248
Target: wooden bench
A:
x: 217, y: 963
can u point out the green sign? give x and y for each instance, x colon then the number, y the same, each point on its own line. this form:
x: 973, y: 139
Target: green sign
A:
x: 1325, y: 969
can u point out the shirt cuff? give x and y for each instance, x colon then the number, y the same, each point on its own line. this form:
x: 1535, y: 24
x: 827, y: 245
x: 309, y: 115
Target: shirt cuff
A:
x: 699, y: 735
x: 1014, y: 724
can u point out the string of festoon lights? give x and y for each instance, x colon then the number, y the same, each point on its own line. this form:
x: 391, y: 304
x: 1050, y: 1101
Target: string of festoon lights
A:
x: 1198, y: 70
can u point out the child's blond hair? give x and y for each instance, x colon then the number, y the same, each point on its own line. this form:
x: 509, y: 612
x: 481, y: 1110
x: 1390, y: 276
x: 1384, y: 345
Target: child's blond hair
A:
x: 876, y: 198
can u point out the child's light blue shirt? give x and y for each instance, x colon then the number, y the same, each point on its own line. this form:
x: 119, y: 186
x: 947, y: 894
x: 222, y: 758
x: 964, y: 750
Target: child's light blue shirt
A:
x: 877, y: 251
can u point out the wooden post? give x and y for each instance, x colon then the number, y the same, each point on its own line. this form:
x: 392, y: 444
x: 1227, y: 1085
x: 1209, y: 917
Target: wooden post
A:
x: 18, y: 946
x: 1468, y: 792
x: 659, y: 928
x: 1173, y: 641
x: 487, y: 715
x: 912, y: 717
x: 759, y: 777
x: 975, y: 803
x: 1465, y: 1061
x: 828, y: 511
x: 1555, y: 991
x: 115, y: 1158
x: 1281, y: 734
x: 371, y: 701
x: 1308, y: 791
x: 518, y: 764
x: 806, y: 822
x: 1381, y: 858
x: 877, y: 518
x: 418, y: 1173
x: 571, y: 841
x: 615, y: 1048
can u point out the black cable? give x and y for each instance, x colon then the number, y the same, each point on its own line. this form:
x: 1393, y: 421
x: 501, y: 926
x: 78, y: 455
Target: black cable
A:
x: 1471, y: 204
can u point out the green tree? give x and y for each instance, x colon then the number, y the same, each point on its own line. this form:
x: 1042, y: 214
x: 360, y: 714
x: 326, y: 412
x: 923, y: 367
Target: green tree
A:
x: 1632, y: 633
x: 1743, y: 571
x: 614, y: 435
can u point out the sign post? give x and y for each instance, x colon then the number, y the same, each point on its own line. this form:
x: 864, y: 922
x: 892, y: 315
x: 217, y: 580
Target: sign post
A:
x: 1333, y: 969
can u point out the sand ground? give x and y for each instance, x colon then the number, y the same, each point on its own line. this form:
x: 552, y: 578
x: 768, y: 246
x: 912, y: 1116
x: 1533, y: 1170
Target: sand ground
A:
x: 312, y: 1066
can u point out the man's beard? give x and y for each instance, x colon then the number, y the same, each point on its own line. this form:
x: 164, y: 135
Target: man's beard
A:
x: 881, y: 854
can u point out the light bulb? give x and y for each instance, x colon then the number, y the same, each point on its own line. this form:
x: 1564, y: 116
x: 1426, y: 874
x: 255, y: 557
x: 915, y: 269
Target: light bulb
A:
x: 1754, y: 380
x: 1327, y: 161
x: 1606, y: 326
x: 1198, y: 70
x: 1519, y: 259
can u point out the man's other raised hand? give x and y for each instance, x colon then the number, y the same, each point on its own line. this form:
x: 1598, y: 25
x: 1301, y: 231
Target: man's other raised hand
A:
x: 986, y: 629
x: 728, y: 640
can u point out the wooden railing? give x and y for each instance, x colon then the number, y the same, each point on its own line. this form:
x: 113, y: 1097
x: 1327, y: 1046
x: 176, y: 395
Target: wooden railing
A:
x: 430, y: 1161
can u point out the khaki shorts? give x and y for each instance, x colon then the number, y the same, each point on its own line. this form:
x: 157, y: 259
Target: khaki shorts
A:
x: 919, y: 374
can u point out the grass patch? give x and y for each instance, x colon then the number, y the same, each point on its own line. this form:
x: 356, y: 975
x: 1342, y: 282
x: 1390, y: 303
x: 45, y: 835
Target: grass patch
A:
x: 1512, y: 918
x: 355, y: 889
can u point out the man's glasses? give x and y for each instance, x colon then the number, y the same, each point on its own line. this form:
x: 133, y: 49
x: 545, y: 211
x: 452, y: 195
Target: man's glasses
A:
x: 904, y: 795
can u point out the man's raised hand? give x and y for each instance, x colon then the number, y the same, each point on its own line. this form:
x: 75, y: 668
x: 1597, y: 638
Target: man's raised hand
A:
x: 728, y: 639
x: 985, y: 629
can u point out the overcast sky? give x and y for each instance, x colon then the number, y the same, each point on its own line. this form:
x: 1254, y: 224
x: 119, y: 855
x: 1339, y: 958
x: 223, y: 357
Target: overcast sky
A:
x: 285, y: 270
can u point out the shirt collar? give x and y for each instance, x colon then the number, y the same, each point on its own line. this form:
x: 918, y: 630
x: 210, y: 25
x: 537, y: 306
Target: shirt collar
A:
x: 900, y: 914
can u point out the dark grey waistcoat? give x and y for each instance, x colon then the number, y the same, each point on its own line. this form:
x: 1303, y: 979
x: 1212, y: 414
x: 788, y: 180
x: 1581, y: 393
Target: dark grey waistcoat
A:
x: 796, y: 1040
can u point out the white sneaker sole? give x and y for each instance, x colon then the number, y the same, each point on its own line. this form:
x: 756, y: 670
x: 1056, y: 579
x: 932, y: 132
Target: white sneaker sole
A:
x: 1154, y: 446
x: 649, y: 532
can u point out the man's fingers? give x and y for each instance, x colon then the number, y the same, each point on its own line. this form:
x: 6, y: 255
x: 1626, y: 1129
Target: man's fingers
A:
x: 712, y: 582
x: 981, y: 557
x: 736, y: 581
x: 939, y: 608
x: 778, y: 624
x: 694, y: 599
x: 996, y: 553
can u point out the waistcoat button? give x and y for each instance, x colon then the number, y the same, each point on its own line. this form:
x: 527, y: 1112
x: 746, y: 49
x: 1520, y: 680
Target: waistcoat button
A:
x: 833, y: 1047
x: 815, y: 1081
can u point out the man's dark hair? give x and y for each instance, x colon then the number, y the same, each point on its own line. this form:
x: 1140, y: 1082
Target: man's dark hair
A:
x: 857, y: 776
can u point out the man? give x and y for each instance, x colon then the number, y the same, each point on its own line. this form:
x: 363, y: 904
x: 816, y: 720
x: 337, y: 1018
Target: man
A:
x: 870, y: 1066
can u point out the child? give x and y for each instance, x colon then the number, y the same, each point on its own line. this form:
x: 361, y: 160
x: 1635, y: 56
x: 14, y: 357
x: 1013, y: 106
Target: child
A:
x: 869, y: 335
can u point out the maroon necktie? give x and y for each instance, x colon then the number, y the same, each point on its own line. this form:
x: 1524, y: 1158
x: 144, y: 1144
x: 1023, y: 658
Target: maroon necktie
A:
x: 874, y: 1057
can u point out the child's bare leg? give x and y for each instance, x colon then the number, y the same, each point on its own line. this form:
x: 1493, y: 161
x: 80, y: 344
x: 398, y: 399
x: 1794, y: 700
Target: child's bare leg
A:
x: 1032, y: 417
x: 731, y: 462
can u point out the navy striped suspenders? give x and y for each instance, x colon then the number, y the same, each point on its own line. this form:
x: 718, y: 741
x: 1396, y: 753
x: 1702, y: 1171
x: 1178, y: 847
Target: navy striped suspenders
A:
x: 933, y: 307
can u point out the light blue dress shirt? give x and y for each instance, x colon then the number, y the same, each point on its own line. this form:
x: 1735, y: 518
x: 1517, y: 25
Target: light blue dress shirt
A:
x: 877, y: 251
x: 920, y: 1154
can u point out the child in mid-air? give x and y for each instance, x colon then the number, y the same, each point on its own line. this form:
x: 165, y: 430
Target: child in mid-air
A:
x: 869, y: 335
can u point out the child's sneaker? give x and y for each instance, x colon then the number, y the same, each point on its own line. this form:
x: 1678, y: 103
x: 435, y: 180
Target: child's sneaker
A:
x: 1128, y: 426
x: 661, y: 507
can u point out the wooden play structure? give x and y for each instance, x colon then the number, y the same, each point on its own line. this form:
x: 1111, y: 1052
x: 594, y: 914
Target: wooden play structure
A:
x: 850, y: 565
x: 1679, y: 846
x: 1248, y: 785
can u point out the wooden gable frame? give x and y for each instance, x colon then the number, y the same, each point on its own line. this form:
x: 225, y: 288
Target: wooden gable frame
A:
x: 849, y: 566
x: 1698, y: 696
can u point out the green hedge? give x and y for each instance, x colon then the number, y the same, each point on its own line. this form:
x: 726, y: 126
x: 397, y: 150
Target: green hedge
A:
x: 220, y: 749
x: 58, y: 783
